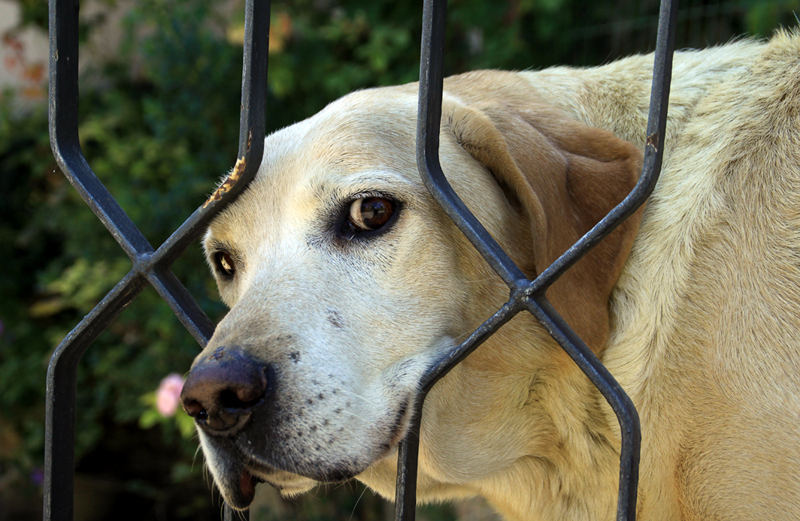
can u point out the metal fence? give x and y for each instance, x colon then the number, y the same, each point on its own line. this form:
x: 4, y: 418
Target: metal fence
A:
x: 152, y: 266
x: 631, y: 26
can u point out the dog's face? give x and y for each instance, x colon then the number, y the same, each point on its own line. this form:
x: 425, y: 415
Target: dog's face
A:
x: 346, y: 283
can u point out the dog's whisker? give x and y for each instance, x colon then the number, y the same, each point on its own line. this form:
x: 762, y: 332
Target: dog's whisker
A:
x: 356, y: 395
x: 352, y: 512
x: 196, y: 453
x: 207, y: 473
x: 365, y: 421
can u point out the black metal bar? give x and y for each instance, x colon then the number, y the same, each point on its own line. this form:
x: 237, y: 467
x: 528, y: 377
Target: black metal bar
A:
x: 526, y: 294
x: 63, y: 109
x: 653, y: 153
x: 616, y: 397
x: 59, y: 455
x: 405, y: 505
x: 479, y: 336
x: 182, y: 304
x: 431, y: 78
x: 148, y: 266
x: 252, y: 128
x: 408, y: 451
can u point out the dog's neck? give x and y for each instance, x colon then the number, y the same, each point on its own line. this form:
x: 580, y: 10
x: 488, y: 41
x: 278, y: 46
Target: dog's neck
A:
x: 571, y: 472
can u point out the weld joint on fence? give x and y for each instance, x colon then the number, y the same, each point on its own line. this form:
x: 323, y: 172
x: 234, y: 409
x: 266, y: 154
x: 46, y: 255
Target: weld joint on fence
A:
x: 143, y: 263
x: 522, y: 292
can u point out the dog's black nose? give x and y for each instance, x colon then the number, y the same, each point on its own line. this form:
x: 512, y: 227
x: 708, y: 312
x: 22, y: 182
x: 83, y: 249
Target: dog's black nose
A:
x: 221, y: 391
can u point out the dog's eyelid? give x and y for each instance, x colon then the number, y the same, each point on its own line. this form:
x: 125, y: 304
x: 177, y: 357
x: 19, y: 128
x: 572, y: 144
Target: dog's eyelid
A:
x: 212, y: 246
x: 365, y: 194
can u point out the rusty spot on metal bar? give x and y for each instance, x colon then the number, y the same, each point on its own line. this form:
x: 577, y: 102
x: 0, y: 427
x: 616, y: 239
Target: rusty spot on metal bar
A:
x: 652, y: 140
x: 229, y: 183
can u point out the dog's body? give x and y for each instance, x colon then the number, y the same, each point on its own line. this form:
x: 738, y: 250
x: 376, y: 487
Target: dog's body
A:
x: 697, y: 319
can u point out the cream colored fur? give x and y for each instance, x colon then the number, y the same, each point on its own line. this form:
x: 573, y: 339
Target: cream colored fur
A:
x: 701, y: 327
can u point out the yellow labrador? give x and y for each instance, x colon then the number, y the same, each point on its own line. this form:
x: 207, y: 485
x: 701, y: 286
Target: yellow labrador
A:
x: 346, y: 281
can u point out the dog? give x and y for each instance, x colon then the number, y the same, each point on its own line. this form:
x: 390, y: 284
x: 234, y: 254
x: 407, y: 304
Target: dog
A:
x: 346, y: 281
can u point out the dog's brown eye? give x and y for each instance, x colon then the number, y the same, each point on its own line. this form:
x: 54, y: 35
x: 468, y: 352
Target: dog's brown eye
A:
x: 225, y: 263
x: 370, y: 213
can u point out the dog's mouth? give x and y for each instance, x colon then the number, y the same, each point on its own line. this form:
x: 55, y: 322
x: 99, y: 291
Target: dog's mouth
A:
x: 237, y: 480
x: 238, y: 473
x: 240, y: 463
x: 247, y: 486
x: 254, y: 473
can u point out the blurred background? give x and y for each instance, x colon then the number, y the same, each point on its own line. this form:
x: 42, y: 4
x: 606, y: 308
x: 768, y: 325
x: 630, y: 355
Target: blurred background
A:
x: 159, y: 106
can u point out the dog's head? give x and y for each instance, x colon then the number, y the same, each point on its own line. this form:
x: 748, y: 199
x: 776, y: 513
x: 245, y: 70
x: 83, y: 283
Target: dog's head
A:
x: 346, y: 282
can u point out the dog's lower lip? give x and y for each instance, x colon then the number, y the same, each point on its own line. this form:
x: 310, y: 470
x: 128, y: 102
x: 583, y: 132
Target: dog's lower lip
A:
x: 262, y: 471
x: 258, y: 470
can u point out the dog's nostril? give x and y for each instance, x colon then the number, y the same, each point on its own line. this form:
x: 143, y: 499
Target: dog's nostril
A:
x: 239, y: 399
x: 194, y: 409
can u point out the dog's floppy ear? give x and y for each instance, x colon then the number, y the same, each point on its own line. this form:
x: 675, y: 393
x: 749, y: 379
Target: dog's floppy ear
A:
x: 564, y: 177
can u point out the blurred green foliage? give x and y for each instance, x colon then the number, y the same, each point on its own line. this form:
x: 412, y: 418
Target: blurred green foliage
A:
x: 159, y: 126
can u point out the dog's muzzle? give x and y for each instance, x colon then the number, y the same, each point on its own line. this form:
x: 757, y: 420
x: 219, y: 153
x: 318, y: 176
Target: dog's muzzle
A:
x: 222, y: 390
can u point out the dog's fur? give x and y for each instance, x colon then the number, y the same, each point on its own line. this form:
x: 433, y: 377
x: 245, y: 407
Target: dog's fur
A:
x: 692, y: 304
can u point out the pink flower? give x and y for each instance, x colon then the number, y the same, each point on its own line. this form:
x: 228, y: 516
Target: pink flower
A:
x: 168, y: 394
